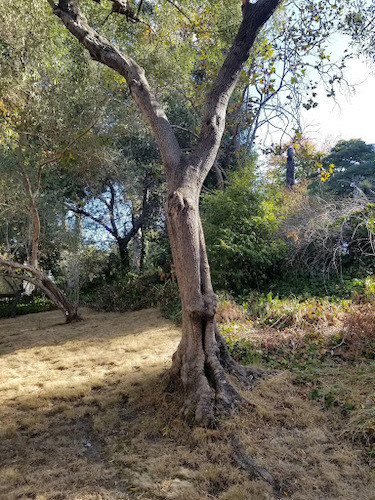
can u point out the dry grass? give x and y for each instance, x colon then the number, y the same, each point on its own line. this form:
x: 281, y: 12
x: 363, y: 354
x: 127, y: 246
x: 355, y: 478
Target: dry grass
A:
x: 83, y: 416
x: 228, y: 311
x: 359, y: 331
x: 348, y: 391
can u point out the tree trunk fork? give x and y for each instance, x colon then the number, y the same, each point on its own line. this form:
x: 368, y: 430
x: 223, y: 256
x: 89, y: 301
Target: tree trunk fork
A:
x: 202, y: 359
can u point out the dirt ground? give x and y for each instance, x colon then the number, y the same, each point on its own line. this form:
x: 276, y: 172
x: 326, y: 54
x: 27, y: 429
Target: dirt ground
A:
x: 83, y: 415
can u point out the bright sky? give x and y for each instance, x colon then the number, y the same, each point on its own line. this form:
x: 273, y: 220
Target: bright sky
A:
x: 352, y: 116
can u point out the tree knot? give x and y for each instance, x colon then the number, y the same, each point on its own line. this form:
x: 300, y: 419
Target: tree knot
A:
x: 176, y: 202
x: 210, y: 304
x: 204, y: 307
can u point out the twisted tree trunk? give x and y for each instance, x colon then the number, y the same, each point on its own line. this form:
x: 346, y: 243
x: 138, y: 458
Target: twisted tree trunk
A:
x: 202, y: 361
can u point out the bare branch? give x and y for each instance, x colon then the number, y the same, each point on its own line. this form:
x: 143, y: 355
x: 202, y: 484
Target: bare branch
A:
x: 180, y: 10
x: 23, y: 267
x: 27, y: 272
x: 111, y: 208
x: 81, y: 211
x: 184, y: 129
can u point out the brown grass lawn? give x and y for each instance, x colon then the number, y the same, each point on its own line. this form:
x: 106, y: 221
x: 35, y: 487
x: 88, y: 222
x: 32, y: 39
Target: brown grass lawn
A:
x: 83, y: 416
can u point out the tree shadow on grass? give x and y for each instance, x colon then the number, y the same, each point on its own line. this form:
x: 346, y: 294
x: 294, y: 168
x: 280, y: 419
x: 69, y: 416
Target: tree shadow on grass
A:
x: 59, y: 448
x: 46, y: 329
x: 85, y: 417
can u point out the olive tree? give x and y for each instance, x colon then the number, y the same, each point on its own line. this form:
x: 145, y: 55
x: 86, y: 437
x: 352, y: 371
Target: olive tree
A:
x: 202, y: 361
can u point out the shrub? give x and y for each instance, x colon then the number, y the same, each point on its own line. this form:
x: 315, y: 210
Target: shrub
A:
x: 291, y: 312
x: 240, y: 225
x: 131, y: 292
x: 27, y: 304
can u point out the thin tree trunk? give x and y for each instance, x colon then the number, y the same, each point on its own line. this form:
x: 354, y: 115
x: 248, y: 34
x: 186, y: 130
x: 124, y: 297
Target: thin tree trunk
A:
x: 33, y: 208
x: 219, y: 176
x: 36, y: 233
x: 143, y: 251
x: 123, y: 251
x: 290, y: 168
x: 137, y: 251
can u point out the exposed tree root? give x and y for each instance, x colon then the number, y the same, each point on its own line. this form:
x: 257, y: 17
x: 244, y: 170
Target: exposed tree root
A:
x: 245, y: 374
x: 247, y: 463
x: 202, y: 372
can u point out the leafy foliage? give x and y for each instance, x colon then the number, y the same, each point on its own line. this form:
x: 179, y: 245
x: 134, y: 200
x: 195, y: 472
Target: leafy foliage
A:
x: 131, y: 292
x: 26, y: 305
x: 240, y: 224
x: 354, y: 167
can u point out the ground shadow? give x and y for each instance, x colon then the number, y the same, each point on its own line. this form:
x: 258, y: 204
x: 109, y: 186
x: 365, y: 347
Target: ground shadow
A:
x: 46, y: 329
x: 84, y: 415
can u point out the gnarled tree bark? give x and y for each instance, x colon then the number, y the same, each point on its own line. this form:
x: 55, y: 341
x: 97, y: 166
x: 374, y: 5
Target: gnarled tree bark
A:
x: 202, y: 361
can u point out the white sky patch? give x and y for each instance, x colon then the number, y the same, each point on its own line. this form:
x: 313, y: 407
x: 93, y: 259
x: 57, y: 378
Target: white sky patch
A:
x: 352, y: 116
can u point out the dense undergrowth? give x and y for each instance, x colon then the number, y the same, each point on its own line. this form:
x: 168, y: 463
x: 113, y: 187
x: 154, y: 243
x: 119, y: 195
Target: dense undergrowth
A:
x: 329, y: 346
x: 133, y: 292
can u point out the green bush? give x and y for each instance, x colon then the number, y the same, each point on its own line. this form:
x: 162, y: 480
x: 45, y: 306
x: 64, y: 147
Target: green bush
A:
x: 240, y: 226
x: 354, y: 282
x: 131, y: 292
x: 27, y: 304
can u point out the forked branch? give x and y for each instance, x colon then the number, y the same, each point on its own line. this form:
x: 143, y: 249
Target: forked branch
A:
x: 254, y: 16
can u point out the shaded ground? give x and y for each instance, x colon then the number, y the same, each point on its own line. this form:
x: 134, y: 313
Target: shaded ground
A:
x: 83, y: 416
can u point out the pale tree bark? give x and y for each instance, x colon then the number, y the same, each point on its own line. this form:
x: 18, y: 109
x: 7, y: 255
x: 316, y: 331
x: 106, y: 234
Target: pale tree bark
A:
x: 201, y: 362
x: 32, y: 206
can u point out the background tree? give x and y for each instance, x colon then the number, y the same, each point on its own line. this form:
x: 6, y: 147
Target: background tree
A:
x: 119, y: 205
x: 241, y: 226
x: 36, y: 132
x: 354, y: 168
x: 308, y: 158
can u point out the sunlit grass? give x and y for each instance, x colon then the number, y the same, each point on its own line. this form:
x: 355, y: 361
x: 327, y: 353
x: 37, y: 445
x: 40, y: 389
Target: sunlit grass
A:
x: 84, y: 415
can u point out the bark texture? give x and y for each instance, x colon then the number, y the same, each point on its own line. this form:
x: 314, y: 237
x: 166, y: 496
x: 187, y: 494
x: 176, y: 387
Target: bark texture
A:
x: 202, y: 361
